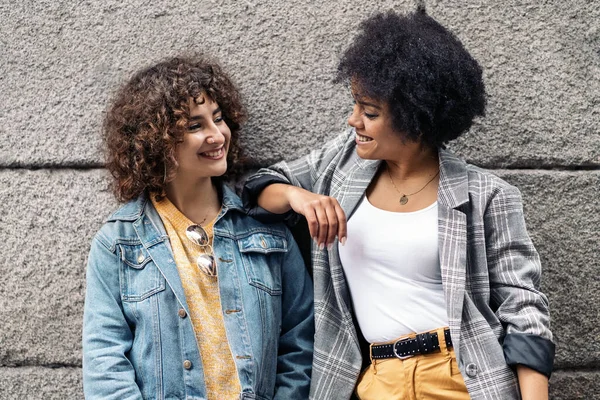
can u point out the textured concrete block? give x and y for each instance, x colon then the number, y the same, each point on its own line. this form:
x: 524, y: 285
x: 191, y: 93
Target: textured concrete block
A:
x: 60, y: 62
x: 575, y: 385
x: 33, y: 383
x: 541, y: 66
x: 563, y: 218
x: 46, y: 227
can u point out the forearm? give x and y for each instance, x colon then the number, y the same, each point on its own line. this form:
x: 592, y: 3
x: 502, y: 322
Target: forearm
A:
x: 261, y: 188
x: 275, y: 198
x: 533, y: 385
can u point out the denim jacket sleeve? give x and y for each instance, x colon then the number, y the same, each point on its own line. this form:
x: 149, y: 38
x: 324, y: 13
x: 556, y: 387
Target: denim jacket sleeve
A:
x: 107, y: 373
x: 296, y: 340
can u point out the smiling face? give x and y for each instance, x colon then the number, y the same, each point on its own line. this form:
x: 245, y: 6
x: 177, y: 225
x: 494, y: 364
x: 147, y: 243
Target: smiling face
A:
x: 203, y: 152
x: 376, y: 139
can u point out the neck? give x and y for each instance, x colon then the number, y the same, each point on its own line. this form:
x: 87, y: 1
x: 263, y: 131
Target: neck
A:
x: 197, y: 200
x: 413, y: 160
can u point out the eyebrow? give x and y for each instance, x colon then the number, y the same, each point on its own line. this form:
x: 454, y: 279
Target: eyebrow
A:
x: 364, y: 103
x: 357, y: 97
x: 199, y: 117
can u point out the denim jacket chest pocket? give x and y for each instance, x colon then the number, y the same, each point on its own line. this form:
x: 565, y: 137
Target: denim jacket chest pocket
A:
x: 261, y: 255
x: 140, y: 278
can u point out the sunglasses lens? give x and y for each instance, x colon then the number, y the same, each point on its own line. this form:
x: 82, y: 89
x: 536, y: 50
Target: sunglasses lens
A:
x: 206, y: 263
x: 197, y: 234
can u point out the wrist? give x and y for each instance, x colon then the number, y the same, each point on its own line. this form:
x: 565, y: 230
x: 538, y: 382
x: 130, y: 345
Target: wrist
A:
x: 290, y: 192
x: 275, y: 198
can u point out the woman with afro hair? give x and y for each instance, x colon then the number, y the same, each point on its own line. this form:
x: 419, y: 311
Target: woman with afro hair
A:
x: 432, y: 288
x: 187, y: 296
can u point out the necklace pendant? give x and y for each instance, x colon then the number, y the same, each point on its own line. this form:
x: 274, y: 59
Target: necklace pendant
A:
x: 403, y: 200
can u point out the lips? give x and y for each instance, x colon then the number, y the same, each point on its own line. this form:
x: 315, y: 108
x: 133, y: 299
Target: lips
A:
x: 214, y: 154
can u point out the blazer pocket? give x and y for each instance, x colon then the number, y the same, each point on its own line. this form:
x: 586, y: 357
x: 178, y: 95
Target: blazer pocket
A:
x: 261, y: 256
x: 140, y: 278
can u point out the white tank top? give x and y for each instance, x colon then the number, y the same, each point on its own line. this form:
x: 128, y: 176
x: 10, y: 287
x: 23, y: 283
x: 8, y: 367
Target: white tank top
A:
x: 391, y: 262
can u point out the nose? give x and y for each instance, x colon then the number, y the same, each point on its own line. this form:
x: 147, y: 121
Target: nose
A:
x: 354, y: 118
x: 215, y: 135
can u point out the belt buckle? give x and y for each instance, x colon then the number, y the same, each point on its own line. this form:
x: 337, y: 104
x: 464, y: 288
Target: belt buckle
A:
x: 396, y: 353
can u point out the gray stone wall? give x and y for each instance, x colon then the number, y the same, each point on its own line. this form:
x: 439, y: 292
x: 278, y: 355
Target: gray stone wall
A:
x: 61, y: 60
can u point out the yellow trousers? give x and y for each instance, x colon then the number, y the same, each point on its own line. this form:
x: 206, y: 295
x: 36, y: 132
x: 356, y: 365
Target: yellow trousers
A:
x: 428, y: 376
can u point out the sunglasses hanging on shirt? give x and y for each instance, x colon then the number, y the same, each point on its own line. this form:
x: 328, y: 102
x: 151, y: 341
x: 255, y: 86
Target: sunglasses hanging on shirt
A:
x: 205, y: 261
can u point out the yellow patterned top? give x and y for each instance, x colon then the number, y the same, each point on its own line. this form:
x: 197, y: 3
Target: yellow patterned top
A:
x: 203, y: 299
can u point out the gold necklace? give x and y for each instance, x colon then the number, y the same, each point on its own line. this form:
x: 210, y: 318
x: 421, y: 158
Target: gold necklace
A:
x: 404, y: 198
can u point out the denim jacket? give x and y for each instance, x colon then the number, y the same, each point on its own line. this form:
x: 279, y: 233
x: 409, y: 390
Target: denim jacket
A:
x: 138, y: 341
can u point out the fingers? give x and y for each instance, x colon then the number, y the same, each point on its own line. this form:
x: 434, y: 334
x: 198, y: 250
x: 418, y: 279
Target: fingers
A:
x: 342, y: 231
x: 330, y: 218
x: 321, y: 212
x: 324, y: 216
x: 313, y: 223
x: 333, y: 219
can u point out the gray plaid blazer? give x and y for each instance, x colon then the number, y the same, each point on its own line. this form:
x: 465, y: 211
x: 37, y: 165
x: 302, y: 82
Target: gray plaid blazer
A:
x: 490, y: 273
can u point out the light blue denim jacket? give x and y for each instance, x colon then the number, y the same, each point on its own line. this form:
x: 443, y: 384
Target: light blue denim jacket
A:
x: 138, y: 340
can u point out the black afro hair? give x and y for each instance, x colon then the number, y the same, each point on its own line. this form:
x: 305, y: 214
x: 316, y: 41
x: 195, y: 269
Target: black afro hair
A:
x: 432, y: 85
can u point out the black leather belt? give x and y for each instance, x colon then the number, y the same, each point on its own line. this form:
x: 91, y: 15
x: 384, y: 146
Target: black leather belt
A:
x: 423, y: 343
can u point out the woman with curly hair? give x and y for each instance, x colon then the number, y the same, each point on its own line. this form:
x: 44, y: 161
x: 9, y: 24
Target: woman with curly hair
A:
x: 187, y: 296
x: 433, y: 266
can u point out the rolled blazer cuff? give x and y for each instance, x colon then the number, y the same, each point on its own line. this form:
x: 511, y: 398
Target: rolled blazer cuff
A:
x: 250, y: 193
x: 532, y: 351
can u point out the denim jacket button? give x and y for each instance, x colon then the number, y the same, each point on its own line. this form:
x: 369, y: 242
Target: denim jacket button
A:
x: 182, y: 313
x: 187, y: 364
x: 140, y: 258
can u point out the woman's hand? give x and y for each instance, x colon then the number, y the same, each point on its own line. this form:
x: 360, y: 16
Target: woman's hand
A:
x: 324, y: 215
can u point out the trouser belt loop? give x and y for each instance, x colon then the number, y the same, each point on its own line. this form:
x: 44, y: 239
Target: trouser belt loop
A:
x: 448, y: 337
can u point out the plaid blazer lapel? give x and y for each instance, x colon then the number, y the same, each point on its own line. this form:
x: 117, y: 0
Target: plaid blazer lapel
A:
x: 351, y: 189
x: 337, y: 358
x: 452, y: 236
x: 355, y: 183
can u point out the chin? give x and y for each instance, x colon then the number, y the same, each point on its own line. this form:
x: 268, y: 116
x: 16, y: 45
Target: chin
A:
x: 364, y: 155
x: 219, y: 171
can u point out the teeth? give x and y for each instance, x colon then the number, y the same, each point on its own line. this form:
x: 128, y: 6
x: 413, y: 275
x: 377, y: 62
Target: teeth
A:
x: 363, y: 138
x: 216, y: 153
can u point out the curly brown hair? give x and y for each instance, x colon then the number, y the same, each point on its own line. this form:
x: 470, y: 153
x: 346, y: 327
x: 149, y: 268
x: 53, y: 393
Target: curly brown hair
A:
x: 149, y: 116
